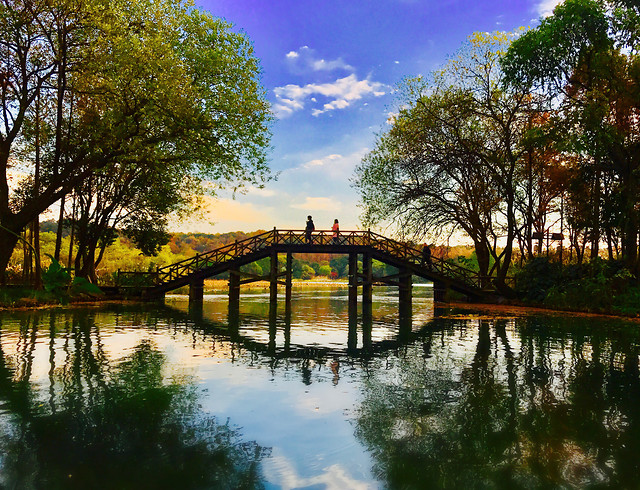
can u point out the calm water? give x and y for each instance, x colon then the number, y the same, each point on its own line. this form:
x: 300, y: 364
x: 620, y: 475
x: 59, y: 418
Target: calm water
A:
x: 159, y: 397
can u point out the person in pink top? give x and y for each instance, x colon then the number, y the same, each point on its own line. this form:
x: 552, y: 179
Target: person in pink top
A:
x: 336, y: 231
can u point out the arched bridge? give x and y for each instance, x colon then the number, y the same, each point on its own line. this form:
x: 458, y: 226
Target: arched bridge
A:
x: 365, y: 244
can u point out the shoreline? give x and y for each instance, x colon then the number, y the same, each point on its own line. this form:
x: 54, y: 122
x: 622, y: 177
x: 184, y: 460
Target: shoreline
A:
x: 502, y: 310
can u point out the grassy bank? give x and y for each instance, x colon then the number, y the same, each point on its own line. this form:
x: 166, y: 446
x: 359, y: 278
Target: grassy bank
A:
x: 20, y: 297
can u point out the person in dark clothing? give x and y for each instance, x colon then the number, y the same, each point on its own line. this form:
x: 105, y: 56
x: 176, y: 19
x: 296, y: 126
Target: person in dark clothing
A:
x: 426, y: 256
x: 309, y: 229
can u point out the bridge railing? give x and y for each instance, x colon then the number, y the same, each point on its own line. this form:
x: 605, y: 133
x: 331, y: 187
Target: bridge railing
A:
x: 214, y: 257
x: 406, y: 252
x: 256, y: 243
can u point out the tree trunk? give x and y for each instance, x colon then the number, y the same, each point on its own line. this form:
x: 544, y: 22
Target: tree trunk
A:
x: 56, y: 254
x: 595, y: 229
x: 483, y: 256
x: 8, y: 241
x: 37, y: 273
x: 87, y: 267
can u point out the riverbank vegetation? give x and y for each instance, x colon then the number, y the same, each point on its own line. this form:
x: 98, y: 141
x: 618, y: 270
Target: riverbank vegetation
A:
x: 528, y: 144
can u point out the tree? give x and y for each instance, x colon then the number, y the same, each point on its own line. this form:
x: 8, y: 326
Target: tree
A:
x: 143, y: 82
x: 450, y: 160
x: 134, y: 199
x: 584, y: 59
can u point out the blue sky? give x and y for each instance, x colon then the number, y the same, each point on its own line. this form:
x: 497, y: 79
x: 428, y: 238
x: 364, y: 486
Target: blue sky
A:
x: 329, y: 68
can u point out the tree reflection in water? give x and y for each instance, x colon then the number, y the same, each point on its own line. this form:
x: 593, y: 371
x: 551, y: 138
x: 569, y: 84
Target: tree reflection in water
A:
x: 526, y: 407
x: 109, y: 424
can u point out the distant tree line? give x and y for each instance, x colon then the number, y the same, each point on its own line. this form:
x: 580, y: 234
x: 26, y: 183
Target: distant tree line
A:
x: 521, y: 135
x: 122, y: 112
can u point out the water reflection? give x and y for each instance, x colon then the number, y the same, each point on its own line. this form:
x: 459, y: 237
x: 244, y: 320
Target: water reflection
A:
x: 521, y: 403
x: 105, y: 421
x: 154, y: 396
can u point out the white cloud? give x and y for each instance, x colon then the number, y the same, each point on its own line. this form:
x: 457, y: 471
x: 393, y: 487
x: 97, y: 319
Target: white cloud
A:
x: 333, y: 167
x: 321, y: 162
x: 333, y: 477
x: 305, y: 60
x: 342, y: 93
x: 545, y: 7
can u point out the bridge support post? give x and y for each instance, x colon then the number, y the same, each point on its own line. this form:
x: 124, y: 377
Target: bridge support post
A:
x: 367, y: 288
x: 273, y: 279
x: 287, y: 330
x: 196, y: 291
x: 234, y: 289
x: 273, y: 328
x: 353, y: 285
x: 288, y: 283
x: 404, y: 301
x: 439, y: 291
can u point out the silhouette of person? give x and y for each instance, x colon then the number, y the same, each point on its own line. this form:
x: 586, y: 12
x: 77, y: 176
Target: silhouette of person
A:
x: 309, y: 229
x: 335, y: 368
x: 336, y: 231
x: 426, y: 256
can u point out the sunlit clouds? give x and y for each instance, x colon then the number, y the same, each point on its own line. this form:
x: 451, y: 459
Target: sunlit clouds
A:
x: 340, y: 94
x: 320, y: 95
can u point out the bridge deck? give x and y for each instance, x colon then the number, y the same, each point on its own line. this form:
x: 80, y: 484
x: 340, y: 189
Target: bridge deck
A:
x: 239, y: 253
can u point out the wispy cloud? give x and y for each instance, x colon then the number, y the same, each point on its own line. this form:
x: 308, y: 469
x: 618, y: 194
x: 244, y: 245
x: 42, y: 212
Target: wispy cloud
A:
x: 321, y: 162
x: 334, y: 166
x: 306, y: 60
x: 545, y: 8
x: 339, y: 95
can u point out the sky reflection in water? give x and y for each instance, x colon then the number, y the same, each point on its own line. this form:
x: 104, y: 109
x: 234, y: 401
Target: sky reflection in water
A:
x: 130, y: 397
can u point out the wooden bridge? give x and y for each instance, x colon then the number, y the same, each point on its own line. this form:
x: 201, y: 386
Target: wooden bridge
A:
x: 365, y: 244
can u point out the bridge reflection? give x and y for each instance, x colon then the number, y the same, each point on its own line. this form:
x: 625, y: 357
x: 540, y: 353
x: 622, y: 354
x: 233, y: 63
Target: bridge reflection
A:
x: 240, y: 329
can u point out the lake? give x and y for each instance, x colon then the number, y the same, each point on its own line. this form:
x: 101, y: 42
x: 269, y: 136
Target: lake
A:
x: 157, y: 396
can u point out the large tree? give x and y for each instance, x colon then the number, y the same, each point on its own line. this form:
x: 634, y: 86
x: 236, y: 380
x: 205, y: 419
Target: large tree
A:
x: 451, y: 157
x: 158, y: 84
x: 584, y: 59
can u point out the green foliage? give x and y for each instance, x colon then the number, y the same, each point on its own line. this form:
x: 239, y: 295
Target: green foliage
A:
x: 449, y: 158
x: 80, y: 286
x: 307, y: 272
x: 583, y: 63
x: 324, y: 270
x: 536, y: 278
x: 628, y: 301
x: 558, y: 45
x: 56, y: 279
x: 597, y: 286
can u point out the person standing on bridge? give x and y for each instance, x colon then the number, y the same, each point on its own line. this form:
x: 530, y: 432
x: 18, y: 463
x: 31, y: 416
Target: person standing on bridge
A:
x: 426, y: 256
x: 309, y: 229
x: 336, y: 232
